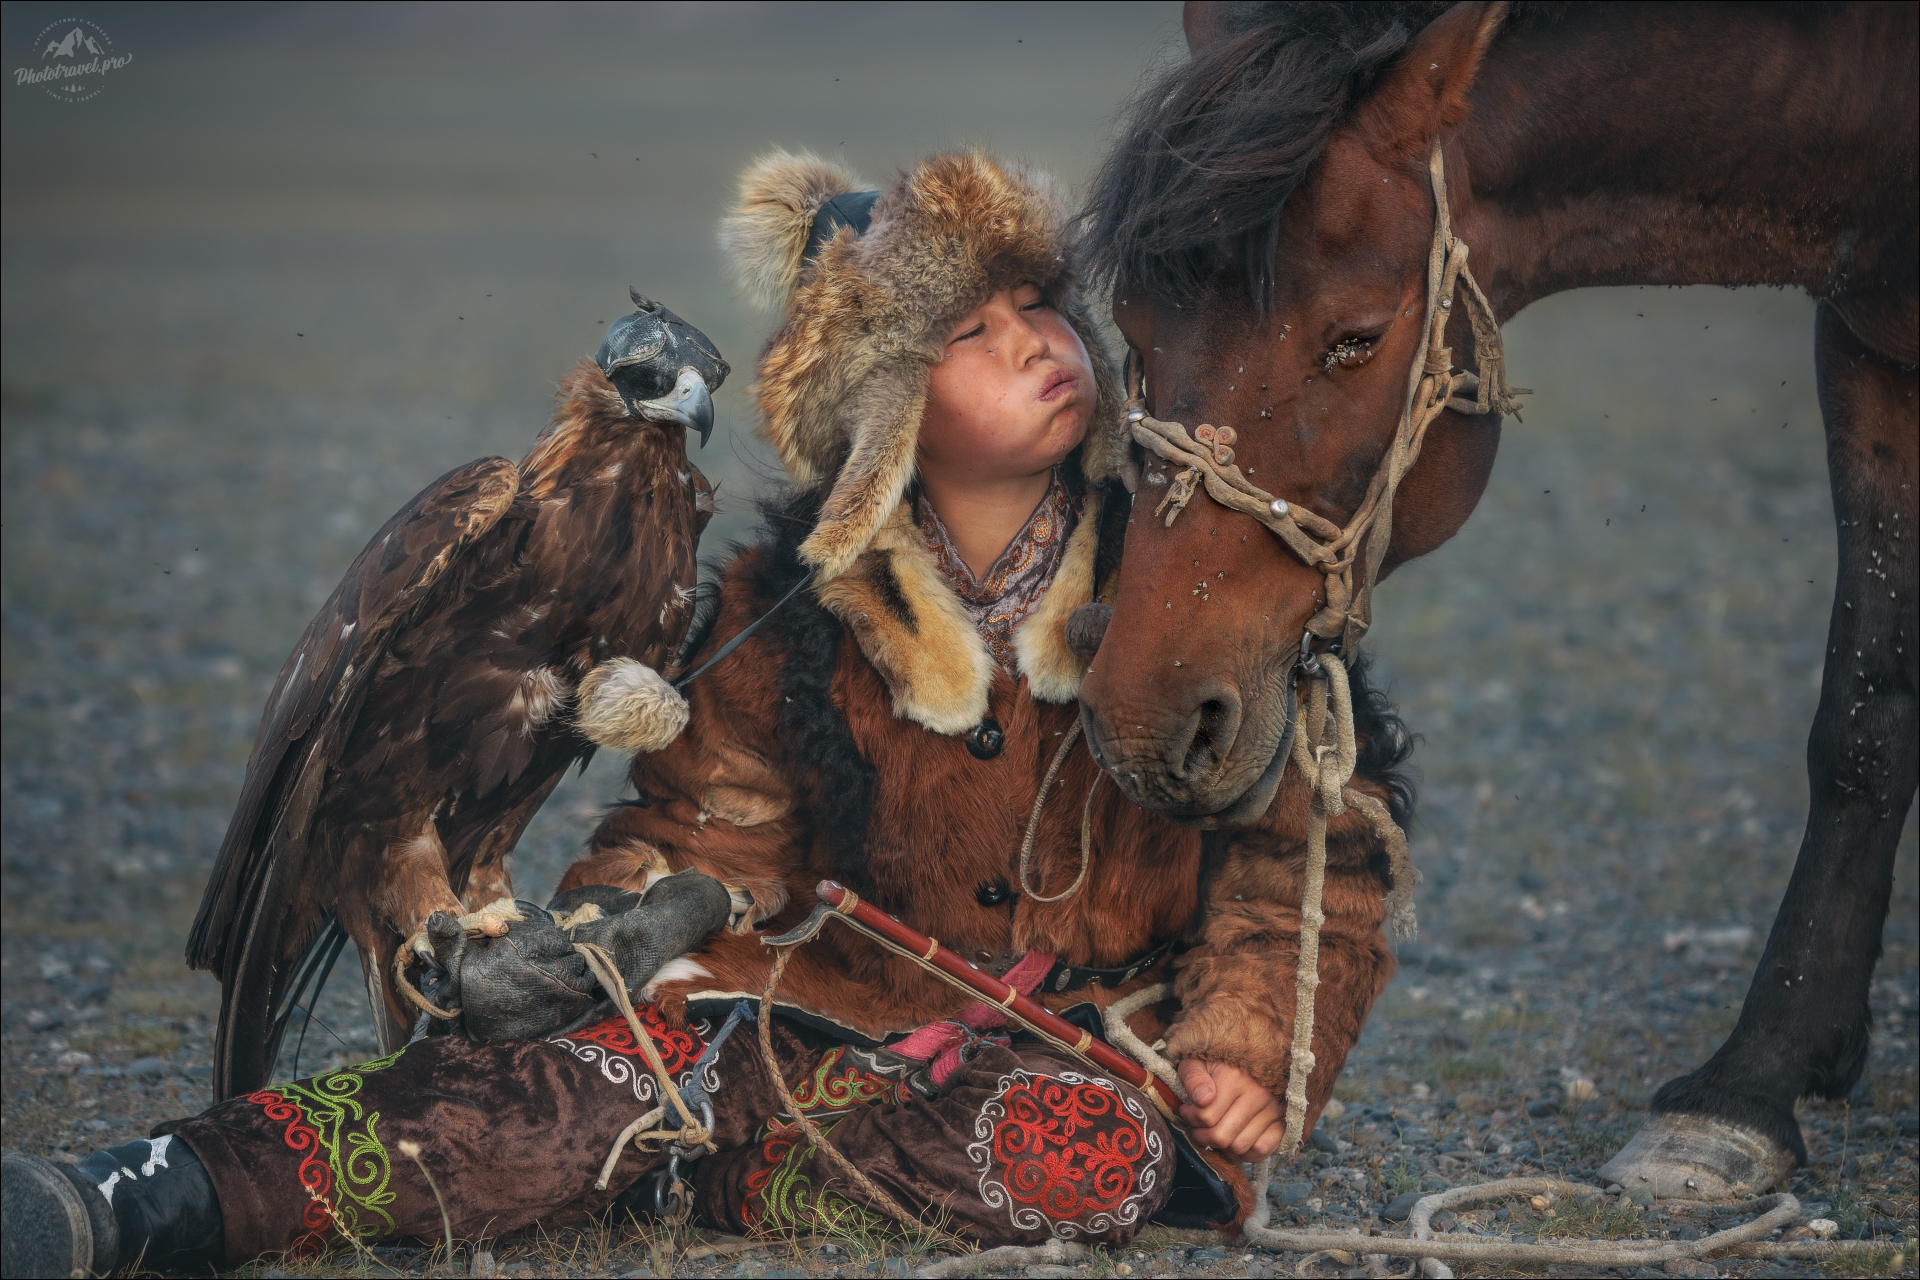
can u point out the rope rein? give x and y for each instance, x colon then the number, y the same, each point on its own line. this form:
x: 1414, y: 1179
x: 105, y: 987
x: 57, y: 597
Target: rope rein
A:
x: 1033, y: 824
x: 1349, y: 558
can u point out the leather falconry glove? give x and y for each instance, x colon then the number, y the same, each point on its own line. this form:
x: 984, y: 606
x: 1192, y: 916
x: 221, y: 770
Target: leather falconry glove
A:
x: 529, y: 981
x: 526, y: 983
x: 677, y: 914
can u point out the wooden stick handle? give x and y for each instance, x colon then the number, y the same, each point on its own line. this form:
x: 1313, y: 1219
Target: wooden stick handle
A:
x: 1043, y: 1022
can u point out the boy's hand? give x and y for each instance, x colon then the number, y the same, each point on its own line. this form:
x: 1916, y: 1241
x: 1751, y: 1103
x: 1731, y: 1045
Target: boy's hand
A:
x: 1230, y: 1111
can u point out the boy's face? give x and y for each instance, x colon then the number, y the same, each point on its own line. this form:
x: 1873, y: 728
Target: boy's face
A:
x: 1011, y: 395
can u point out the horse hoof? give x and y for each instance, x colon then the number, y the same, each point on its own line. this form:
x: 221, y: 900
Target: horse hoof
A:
x: 1681, y: 1157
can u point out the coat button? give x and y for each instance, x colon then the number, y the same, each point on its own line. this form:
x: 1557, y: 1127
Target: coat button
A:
x: 985, y: 739
x: 993, y: 893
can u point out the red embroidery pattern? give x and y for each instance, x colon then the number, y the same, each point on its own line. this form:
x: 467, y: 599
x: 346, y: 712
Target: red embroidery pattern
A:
x: 316, y: 1179
x: 678, y: 1048
x: 1046, y: 1166
x: 1071, y: 1153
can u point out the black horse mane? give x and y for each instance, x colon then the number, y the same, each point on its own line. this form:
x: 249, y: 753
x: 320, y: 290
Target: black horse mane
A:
x: 1385, y: 742
x: 1214, y: 149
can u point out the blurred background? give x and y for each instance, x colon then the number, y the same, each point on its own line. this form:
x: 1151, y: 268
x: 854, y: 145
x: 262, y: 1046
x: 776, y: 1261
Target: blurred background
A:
x: 295, y: 261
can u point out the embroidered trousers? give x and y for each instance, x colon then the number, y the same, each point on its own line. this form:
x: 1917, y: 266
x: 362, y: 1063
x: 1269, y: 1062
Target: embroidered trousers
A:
x: 1023, y: 1144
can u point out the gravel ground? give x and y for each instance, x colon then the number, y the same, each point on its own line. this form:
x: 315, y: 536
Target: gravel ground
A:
x: 1613, y: 667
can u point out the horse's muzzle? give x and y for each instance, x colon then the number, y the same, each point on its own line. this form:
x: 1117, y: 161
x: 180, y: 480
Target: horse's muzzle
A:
x: 1217, y: 767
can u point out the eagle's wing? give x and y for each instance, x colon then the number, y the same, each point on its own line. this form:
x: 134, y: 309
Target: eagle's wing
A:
x: 312, y: 707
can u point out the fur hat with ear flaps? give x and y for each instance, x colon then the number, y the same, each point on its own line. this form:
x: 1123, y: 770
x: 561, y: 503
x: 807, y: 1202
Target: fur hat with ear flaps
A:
x: 843, y: 381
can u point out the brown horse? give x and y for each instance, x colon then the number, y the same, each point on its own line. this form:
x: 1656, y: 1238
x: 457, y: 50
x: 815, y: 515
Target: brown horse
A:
x: 1267, y: 221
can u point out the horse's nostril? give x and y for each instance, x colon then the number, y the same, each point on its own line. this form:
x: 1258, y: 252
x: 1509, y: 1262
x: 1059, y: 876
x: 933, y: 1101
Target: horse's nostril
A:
x: 1214, y: 722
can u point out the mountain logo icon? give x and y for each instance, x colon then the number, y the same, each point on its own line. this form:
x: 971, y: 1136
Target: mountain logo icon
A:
x: 76, y: 43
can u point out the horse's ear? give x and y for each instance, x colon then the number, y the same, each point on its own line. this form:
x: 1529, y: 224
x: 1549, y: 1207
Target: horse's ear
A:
x: 1205, y: 23
x: 1425, y: 92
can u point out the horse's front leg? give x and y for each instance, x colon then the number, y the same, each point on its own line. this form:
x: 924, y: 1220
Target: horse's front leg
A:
x: 1804, y: 1028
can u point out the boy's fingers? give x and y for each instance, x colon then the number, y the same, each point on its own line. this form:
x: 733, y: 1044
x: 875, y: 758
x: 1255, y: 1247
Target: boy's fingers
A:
x: 1230, y: 1129
x: 1199, y: 1082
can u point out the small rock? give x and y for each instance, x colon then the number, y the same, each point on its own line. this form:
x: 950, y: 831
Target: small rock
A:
x: 53, y: 968
x: 514, y: 1268
x: 1211, y: 1254
x: 1581, y: 1090
x: 1401, y: 1205
x: 1642, y: 1196
x: 1910, y: 1126
x: 1614, y: 1188
x: 638, y: 1273
x: 1444, y: 1221
x: 1285, y: 1193
x: 901, y: 1267
x: 1541, y: 1203
x: 1825, y: 1228
x: 1692, y: 1268
x: 1541, y: 1108
x: 482, y: 1266
x: 1333, y: 1110
x: 147, y: 1068
x: 1321, y: 1141
x: 1124, y: 1269
x: 73, y: 1060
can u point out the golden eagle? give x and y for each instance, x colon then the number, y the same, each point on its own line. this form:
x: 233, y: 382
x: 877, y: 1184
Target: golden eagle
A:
x: 426, y: 713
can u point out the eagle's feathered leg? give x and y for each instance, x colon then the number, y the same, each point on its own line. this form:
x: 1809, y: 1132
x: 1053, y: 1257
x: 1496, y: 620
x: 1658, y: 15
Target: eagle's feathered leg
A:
x: 490, y: 882
x: 412, y: 885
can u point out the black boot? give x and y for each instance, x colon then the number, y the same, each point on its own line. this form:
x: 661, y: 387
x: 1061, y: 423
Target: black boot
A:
x: 148, y: 1201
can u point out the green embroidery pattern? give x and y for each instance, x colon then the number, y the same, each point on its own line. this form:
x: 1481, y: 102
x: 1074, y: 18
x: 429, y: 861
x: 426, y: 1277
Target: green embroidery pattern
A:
x: 343, y: 1163
x: 782, y: 1194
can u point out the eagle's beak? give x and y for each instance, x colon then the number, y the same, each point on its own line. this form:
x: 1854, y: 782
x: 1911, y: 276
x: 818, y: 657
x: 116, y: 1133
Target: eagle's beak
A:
x: 689, y: 403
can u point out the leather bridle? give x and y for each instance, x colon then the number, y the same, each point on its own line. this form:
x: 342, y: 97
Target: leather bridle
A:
x: 1348, y: 556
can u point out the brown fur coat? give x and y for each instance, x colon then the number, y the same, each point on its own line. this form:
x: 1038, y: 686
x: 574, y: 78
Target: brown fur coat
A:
x: 808, y: 757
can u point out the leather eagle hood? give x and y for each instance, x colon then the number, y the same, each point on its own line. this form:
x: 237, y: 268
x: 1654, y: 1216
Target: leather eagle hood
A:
x: 842, y: 383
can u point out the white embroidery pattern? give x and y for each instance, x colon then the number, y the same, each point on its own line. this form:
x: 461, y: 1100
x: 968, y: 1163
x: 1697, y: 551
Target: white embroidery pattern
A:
x: 618, y: 1068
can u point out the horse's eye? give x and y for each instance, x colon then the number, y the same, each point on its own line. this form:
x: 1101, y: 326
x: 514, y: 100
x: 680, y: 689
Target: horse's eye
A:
x: 1349, y: 354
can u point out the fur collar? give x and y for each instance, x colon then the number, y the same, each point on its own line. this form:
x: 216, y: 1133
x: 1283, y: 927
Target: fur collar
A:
x: 910, y: 625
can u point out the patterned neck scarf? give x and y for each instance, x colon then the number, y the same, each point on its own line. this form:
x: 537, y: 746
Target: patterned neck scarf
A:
x: 1001, y: 600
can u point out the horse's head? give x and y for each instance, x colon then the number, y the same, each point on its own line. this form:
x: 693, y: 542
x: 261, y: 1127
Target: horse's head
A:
x: 1268, y: 224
